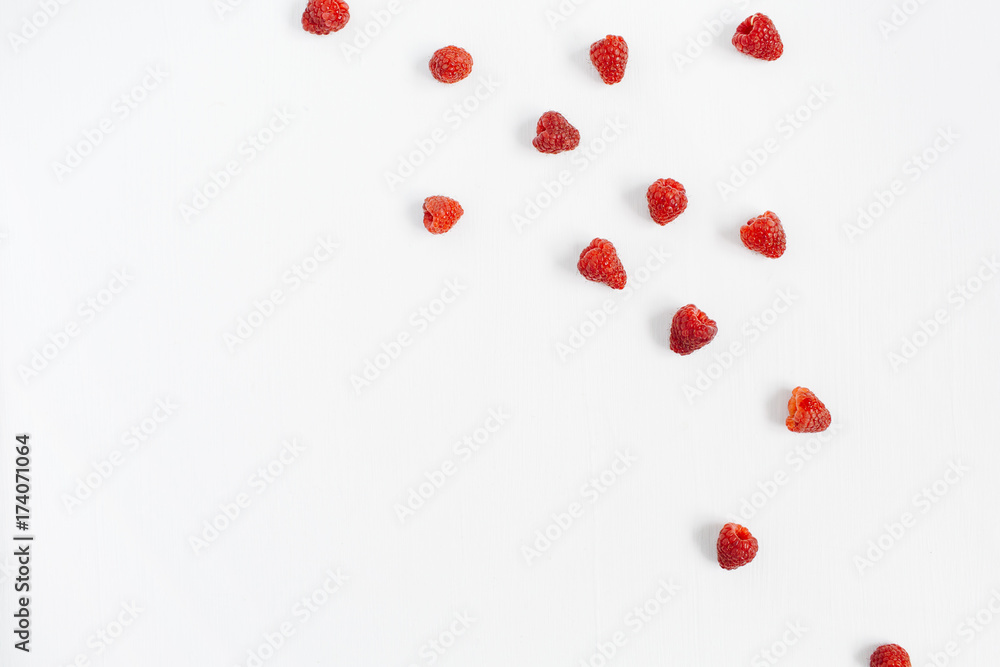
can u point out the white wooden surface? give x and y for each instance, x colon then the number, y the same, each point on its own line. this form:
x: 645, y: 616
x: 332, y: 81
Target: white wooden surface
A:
x: 328, y: 129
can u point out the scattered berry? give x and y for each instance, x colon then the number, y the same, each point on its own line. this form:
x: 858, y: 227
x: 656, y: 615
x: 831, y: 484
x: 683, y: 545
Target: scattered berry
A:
x: 890, y: 655
x: 441, y: 214
x: 758, y: 37
x: 610, y: 56
x: 450, y: 64
x: 667, y: 200
x: 764, y: 234
x: 806, y: 413
x: 599, y: 262
x: 736, y: 546
x: 691, y: 330
x: 325, y: 16
x: 555, y: 134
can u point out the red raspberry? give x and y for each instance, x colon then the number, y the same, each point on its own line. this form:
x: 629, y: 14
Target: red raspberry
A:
x: 599, y: 262
x: 325, y: 16
x: 736, y: 546
x: 450, y: 64
x: 806, y: 413
x: 890, y: 655
x: 555, y: 134
x: 610, y: 55
x: 758, y: 37
x: 764, y: 234
x: 667, y: 200
x: 441, y: 214
x: 691, y: 330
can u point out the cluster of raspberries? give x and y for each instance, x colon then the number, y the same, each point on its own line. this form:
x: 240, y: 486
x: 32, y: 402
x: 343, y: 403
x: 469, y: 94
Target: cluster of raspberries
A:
x: 691, y: 329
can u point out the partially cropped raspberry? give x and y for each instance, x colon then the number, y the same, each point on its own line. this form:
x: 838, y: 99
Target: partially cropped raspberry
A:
x: 610, y: 55
x: 555, y: 134
x: 806, y: 413
x: 599, y: 262
x: 890, y: 655
x: 736, y: 546
x: 764, y: 234
x: 325, y: 16
x: 441, y: 214
x: 758, y: 37
x: 450, y: 64
x: 667, y: 199
x: 691, y: 330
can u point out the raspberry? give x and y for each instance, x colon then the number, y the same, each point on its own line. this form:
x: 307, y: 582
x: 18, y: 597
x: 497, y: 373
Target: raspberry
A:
x: 441, y: 214
x: 736, y: 546
x: 890, y: 655
x: 764, y: 234
x: 599, y: 262
x: 450, y: 64
x: 610, y: 55
x: 325, y: 16
x: 691, y: 330
x: 555, y: 134
x: 806, y: 413
x: 667, y: 200
x: 758, y: 37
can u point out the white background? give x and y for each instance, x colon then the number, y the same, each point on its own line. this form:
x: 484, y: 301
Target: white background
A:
x: 856, y: 297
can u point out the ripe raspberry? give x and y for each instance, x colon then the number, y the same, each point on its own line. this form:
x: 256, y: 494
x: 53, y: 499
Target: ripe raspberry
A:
x: 555, y: 134
x: 890, y: 655
x: 691, y: 330
x: 758, y: 37
x: 441, y: 214
x: 610, y: 55
x: 325, y: 16
x: 450, y: 64
x: 667, y: 200
x: 806, y: 413
x: 736, y: 546
x: 599, y: 262
x: 764, y: 234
